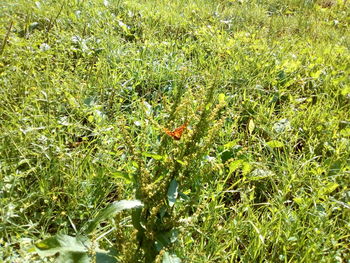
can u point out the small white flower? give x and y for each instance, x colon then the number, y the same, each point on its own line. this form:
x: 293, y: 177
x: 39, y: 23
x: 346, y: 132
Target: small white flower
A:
x: 44, y: 47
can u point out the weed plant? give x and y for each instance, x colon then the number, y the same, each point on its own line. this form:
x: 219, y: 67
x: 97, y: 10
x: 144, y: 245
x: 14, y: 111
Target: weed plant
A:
x: 260, y: 174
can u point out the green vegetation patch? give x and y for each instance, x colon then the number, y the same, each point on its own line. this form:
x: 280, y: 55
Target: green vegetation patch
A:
x: 175, y: 131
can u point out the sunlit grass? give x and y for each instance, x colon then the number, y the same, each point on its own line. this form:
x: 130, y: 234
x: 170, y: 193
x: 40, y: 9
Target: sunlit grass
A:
x: 74, y: 74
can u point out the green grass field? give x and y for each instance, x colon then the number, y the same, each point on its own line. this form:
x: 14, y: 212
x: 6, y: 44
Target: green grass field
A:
x: 261, y: 173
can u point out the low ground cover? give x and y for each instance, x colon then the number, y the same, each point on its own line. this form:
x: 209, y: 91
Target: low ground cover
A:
x: 259, y: 170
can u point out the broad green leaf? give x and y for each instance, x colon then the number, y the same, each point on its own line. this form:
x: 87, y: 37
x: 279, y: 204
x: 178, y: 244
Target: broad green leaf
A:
x: 108, y: 257
x: 221, y: 98
x: 329, y: 188
x: 91, y: 118
x: 298, y: 200
x: 123, y: 175
x: 226, y: 155
x: 345, y: 132
x: 71, y: 250
x: 345, y: 91
x: 112, y: 210
x: 172, y: 192
x: 62, y: 243
x: 246, y: 168
x: 235, y: 165
x: 166, y: 238
x: 316, y: 74
x: 135, y: 164
x: 231, y: 144
x: 73, y: 257
x: 72, y: 101
x: 208, y: 106
x: 90, y: 101
x: 170, y: 258
x: 154, y: 156
x: 275, y: 144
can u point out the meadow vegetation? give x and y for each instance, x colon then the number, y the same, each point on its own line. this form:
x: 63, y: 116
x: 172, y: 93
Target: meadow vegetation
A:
x: 261, y: 173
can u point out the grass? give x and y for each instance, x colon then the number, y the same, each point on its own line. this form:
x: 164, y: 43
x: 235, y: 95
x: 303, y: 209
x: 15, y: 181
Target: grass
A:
x: 273, y: 184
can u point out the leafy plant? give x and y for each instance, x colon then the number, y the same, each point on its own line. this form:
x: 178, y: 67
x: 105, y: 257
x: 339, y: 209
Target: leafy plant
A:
x: 80, y: 248
x: 95, y: 97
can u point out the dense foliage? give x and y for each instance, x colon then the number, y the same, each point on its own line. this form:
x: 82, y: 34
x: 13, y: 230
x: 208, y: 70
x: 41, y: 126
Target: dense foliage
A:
x: 260, y: 173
